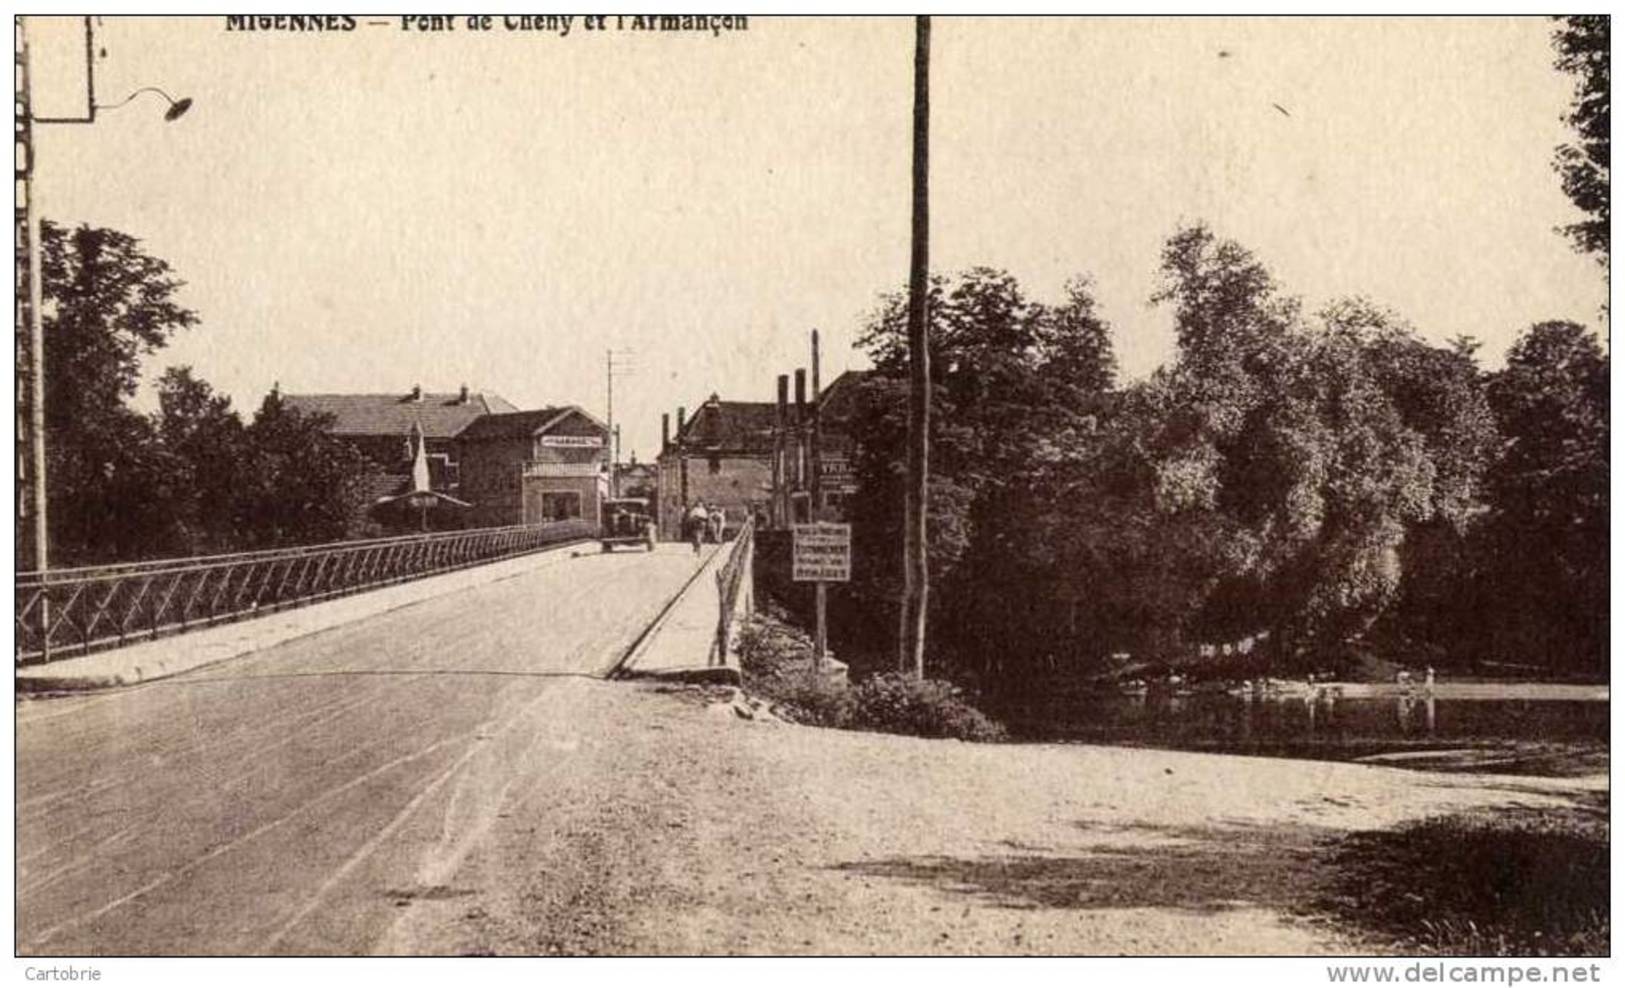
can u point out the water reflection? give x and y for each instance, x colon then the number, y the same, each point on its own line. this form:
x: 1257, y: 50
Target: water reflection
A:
x: 1315, y: 723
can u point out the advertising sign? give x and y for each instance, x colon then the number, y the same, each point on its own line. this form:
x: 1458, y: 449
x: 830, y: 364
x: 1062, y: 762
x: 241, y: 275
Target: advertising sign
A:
x: 821, y: 551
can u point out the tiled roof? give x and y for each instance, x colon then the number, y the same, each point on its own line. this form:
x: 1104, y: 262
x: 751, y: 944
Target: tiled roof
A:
x: 441, y: 415
x: 731, y: 425
x: 511, y: 424
x: 839, y: 401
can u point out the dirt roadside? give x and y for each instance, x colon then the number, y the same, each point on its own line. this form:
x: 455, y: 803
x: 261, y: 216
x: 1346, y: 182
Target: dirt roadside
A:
x: 663, y: 823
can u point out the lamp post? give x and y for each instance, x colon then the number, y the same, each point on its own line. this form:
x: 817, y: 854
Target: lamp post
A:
x: 31, y: 501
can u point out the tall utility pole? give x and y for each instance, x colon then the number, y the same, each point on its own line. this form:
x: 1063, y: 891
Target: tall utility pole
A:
x: 816, y: 487
x: 916, y: 575
x: 781, y: 482
x: 799, y: 431
x: 30, y: 332
x: 817, y: 484
x: 614, y: 360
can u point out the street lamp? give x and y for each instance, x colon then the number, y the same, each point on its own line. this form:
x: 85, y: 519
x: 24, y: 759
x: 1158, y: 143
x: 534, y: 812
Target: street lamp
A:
x: 177, y: 107
x: 31, y: 384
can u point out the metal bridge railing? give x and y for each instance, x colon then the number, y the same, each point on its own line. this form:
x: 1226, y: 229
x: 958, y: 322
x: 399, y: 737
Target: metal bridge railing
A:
x: 728, y: 580
x: 64, y: 612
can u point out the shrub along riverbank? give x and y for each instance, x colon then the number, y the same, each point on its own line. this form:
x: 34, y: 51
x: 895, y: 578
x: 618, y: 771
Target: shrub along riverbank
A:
x: 776, y: 662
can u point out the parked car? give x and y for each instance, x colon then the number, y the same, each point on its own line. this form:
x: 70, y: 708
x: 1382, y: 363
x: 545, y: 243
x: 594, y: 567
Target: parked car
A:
x: 627, y: 522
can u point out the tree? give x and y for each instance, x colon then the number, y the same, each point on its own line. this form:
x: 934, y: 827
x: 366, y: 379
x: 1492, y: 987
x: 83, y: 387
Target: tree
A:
x: 1582, y: 51
x: 1546, y: 543
x: 107, y: 304
x: 1303, y: 450
x: 1017, y: 390
x: 209, y: 446
x: 301, y: 484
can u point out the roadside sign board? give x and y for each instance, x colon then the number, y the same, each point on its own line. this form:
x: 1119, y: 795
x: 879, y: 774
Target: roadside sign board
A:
x: 821, y: 551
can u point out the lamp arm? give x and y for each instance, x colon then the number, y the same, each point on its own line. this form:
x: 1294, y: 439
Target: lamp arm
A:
x: 138, y: 92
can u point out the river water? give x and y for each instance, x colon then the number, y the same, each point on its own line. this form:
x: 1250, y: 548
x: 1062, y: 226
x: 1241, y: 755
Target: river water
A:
x: 1560, y: 737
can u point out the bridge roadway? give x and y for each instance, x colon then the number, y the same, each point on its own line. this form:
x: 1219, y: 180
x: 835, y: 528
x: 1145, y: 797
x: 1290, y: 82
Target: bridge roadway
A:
x: 262, y: 805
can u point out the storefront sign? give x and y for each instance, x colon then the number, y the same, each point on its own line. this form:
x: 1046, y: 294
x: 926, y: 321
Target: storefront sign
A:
x: 588, y: 441
x: 837, y: 477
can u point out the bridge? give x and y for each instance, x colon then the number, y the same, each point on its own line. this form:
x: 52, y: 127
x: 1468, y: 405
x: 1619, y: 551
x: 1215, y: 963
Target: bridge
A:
x: 351, y: 753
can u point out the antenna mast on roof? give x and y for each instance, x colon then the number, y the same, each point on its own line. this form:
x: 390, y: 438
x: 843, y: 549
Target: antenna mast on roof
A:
x: 614, y: 360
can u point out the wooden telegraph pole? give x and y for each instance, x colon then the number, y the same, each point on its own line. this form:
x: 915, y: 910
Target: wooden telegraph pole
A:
x: 911, y: 634
x: 799, y: 431
x: 816, y: 488
x: 781, y: 499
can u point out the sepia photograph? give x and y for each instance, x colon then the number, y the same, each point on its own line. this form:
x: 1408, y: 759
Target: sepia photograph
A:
x: 674, y: 485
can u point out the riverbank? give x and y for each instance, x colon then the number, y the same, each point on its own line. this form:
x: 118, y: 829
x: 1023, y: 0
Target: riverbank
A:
x: 675, y: 825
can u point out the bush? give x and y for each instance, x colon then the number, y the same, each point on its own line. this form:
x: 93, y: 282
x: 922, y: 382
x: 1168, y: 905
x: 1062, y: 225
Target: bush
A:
x: 927, y: 708
x: 768, y: 647
x: 810, y: 698
x: 1501, y: 883
x: 775, y: 659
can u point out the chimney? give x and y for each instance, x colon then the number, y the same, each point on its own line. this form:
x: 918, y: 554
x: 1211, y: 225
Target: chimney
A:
x: 417, y: 393
x: 462, y: 395
x: 665, y: 431
x: 682, y: 461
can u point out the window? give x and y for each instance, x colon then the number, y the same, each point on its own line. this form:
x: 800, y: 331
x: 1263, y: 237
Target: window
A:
x: 443, y: 473
x: 560, y: 505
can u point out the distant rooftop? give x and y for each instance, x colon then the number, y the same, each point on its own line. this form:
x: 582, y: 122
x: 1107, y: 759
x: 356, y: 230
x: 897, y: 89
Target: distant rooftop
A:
x: 514, y: 425
x: 441, y: 414
x: 838, y: 401
x: 739, y: 426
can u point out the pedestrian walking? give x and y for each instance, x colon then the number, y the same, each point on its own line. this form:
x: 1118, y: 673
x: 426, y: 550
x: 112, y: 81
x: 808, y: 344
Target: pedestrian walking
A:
x: 695, y: 523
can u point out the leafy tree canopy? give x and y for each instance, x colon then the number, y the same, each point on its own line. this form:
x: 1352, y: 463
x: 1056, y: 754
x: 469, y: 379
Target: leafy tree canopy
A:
x: 1582, y: 51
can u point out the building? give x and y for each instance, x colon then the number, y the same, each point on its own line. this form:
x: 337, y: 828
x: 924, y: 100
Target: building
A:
x: 723, y: 455
x: 636, y: 479
x: 381, y: 427
x: 510, y: 467
x: 550, y: 464
x: 837, y: 406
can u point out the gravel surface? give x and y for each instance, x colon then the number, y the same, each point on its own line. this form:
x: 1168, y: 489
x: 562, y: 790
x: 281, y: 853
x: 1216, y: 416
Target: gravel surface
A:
x: 670, y: 824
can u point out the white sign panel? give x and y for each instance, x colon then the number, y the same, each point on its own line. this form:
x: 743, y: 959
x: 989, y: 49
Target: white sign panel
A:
x: 821, y: 551
x: 593, y: 441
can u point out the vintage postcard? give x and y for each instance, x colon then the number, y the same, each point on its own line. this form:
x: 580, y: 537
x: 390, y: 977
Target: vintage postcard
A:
x: 717, y: 485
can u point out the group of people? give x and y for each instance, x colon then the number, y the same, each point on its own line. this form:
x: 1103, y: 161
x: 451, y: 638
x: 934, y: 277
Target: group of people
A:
x: 703, y: 523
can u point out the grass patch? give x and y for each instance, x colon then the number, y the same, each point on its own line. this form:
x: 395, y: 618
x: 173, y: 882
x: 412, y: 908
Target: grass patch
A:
x: 1486, y: 883
x: 775, y: 661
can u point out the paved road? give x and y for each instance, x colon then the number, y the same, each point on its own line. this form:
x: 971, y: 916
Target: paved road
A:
x: 292, y: 801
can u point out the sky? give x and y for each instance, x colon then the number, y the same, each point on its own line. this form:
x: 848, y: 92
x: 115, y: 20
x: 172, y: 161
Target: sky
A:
x: 370, y: 210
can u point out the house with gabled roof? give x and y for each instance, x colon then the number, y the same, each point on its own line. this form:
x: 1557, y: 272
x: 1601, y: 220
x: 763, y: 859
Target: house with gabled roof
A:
x: 526, y: 467
x: 381, y: 427
x: 491, y: 462
x: 723, y: 456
